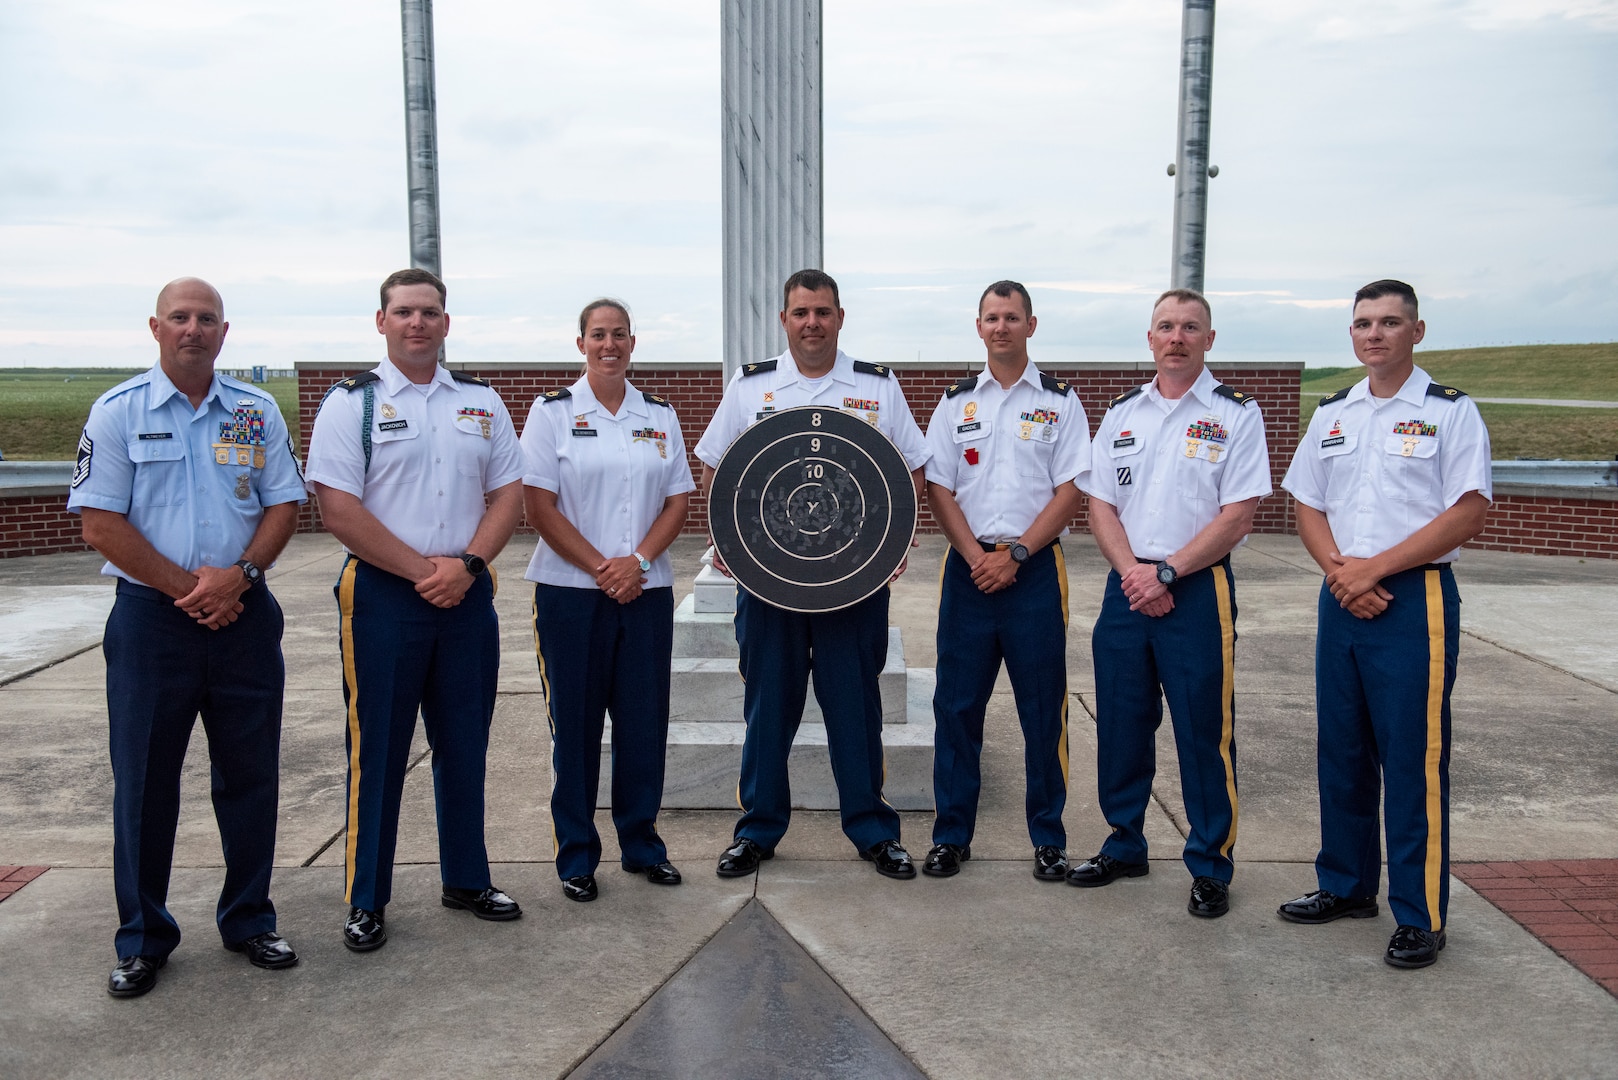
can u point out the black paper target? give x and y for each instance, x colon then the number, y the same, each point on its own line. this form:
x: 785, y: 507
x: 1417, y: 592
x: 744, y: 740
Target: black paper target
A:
x: 812, y: 509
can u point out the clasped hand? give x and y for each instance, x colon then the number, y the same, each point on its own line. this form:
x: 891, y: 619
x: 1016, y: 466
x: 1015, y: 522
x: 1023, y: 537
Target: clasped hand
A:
x: 1357, y: 586
x: 620, y: 578
x: 1144, y: 592
x: 215, y: 601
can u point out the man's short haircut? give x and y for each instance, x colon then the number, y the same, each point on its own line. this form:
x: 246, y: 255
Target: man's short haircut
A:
x: 605, y: 301
x: 413, y: 276
x: 1188, y: 296
x: 814, y: 281
x: 1004, y: 289
x: 1376, y: 290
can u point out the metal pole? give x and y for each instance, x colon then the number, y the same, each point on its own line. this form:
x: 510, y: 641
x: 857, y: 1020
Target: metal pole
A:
x: 771, y: 143
x: 421, y: 133
x: 1190, y: 169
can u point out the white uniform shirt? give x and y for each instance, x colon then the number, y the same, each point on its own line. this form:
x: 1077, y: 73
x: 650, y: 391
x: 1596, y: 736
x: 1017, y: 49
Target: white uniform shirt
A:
x: 869, y: 391
x: 611, y: 475
x: 436, y: 450
x: 1168, y: 466
x: 1002, y: 452
x: 1379, y: 472
x: 193, y: 482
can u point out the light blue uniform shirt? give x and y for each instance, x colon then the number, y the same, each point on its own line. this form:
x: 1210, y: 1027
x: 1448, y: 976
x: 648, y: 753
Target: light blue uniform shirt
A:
x: 193, y: 482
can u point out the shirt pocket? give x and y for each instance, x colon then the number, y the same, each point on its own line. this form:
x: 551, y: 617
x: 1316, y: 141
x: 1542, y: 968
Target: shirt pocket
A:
x: 1034, y: 456
x: 159, y: 472
x: 1342, y: 470
x: 1198, y: 466
x: 1410, y: 467
x: 471, y: 450
x: 396, y: 454
x: 1125, y: 462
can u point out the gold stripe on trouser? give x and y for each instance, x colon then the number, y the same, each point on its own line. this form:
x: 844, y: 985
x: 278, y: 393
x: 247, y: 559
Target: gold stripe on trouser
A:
x: 1061, y: 587
x: 1435, y: 744
x: 345, y: 609
x: 1227, y: 694
x: 550, y: 715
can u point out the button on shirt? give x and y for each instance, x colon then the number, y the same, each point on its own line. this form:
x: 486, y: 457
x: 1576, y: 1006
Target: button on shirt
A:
x: 1002, y: 452
x: 875, y: 398
x: 1380, y: 471
x: 193, y: 482
x: 436, y: 450
x: 1168, y: 466
x: 611, y: 475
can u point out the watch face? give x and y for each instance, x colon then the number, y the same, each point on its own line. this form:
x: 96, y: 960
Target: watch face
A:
x: 1165, y: 574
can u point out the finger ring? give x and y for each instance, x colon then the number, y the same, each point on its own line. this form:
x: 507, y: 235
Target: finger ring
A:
x: 612, y: 592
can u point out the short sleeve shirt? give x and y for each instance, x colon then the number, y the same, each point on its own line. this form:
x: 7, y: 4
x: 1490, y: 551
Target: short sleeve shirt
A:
x: 1168, y: 465
x: 436, y: 450
x: 869, y: 391
x: 1380, y: 471
x: 193, y: 482
x: 1003, y: 451
x: 611, y: 475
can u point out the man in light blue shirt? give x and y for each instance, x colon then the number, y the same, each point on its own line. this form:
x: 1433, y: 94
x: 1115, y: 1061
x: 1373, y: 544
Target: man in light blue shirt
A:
x: 188, y: 483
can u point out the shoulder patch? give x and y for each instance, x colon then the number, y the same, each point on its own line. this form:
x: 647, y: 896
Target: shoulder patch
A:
x: 759, y: 368
x: 555, y: 395
x: 354, y: 382
x: 1339, y: 396
x: 881, y: 370
x: 1235, y: 395
x: 1055, y: 385
x: 655, y: 400
x: 1125, y: 396
x: 1434, y: 390
x: 969, y: 383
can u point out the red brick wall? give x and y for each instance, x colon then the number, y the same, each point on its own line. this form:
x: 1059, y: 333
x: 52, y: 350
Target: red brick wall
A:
x: 1551, y: 525
x: 38, y: 525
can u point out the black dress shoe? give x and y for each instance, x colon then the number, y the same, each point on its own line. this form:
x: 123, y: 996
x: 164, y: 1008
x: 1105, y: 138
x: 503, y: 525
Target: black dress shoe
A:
x: 1323, y: 907
x: 1413, y: 947
x: 1050, y: 863
x: 662, y: 873
x: 581, y: 888
x: 364, y: 930
x: 945, y: 860
x: 890, y: 859
x: 268, y: 950
x: 1104, y: 870
x: 134, y: 975
x: 490, y: 903
x: 742, y: 858
x: 1210, y: 897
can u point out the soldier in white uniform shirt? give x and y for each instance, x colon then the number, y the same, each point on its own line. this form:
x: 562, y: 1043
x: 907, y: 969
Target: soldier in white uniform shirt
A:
x: 1180, y: 465
x: 1006, y: 447
x: 1391, y: 478
x: 419, y: 475
x: 846, y: 649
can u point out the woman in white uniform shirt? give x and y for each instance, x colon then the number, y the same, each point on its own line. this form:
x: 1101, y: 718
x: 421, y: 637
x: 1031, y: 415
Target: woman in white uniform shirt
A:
x: 607, y: 486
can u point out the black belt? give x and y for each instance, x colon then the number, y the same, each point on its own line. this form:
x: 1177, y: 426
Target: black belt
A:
x: 1225, y: 562
x: 146, y: 592
x: 1005, y: 545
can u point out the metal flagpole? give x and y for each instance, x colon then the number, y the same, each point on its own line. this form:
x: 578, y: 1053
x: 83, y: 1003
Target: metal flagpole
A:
x: 1191, y: 170
x: 421, y: 133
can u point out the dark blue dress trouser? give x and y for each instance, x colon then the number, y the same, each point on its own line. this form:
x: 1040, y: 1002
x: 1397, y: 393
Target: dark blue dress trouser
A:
x: 1382, y: 690
x: 163, y: 669
x: 403, y: 656
x: 845, y: 652
x: 598, y: 656
x: 1025, y: 625
x: 1189, y: 658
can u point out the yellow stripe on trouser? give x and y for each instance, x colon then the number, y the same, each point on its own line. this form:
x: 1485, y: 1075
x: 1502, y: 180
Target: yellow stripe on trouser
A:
x: 550, y: 715
x: 1435, y: 744
x: 1227, y: 694
x: 1061, y: 587
x: 345, y: 608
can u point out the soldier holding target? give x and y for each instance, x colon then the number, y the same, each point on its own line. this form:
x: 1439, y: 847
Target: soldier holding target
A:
x: 845, y: 649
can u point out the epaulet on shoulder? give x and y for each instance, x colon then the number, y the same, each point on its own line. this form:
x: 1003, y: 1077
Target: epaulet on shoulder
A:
x: 354, y: 382
x: 968, y: 383
x: 655, y: 400
x: 1055, y: 385
x: 881, y: 370
x: 555, y: 395
x: 125, y: 387
x: 1339, y: 396
x: 231, y: 380
x: 1434, y: 390
x: 760, y: 367
x: 1125, y: 396
x: 461, y: 376
x: 1235, y: 395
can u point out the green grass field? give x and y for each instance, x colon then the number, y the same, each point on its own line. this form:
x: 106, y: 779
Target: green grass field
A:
x: 42, y: 409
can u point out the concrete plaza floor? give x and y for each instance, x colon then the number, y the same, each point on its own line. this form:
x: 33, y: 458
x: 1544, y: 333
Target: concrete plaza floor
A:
x: 819, y: 967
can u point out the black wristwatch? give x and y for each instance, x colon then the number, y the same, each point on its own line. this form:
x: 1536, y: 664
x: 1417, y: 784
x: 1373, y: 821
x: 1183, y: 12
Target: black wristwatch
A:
x: 1167, y: 574
x: 252, y: 573
x: 474, y: 563
x: 1019, y: 553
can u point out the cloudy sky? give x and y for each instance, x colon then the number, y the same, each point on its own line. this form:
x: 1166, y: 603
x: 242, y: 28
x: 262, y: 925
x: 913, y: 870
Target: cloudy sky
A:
x: 1467, y: 146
